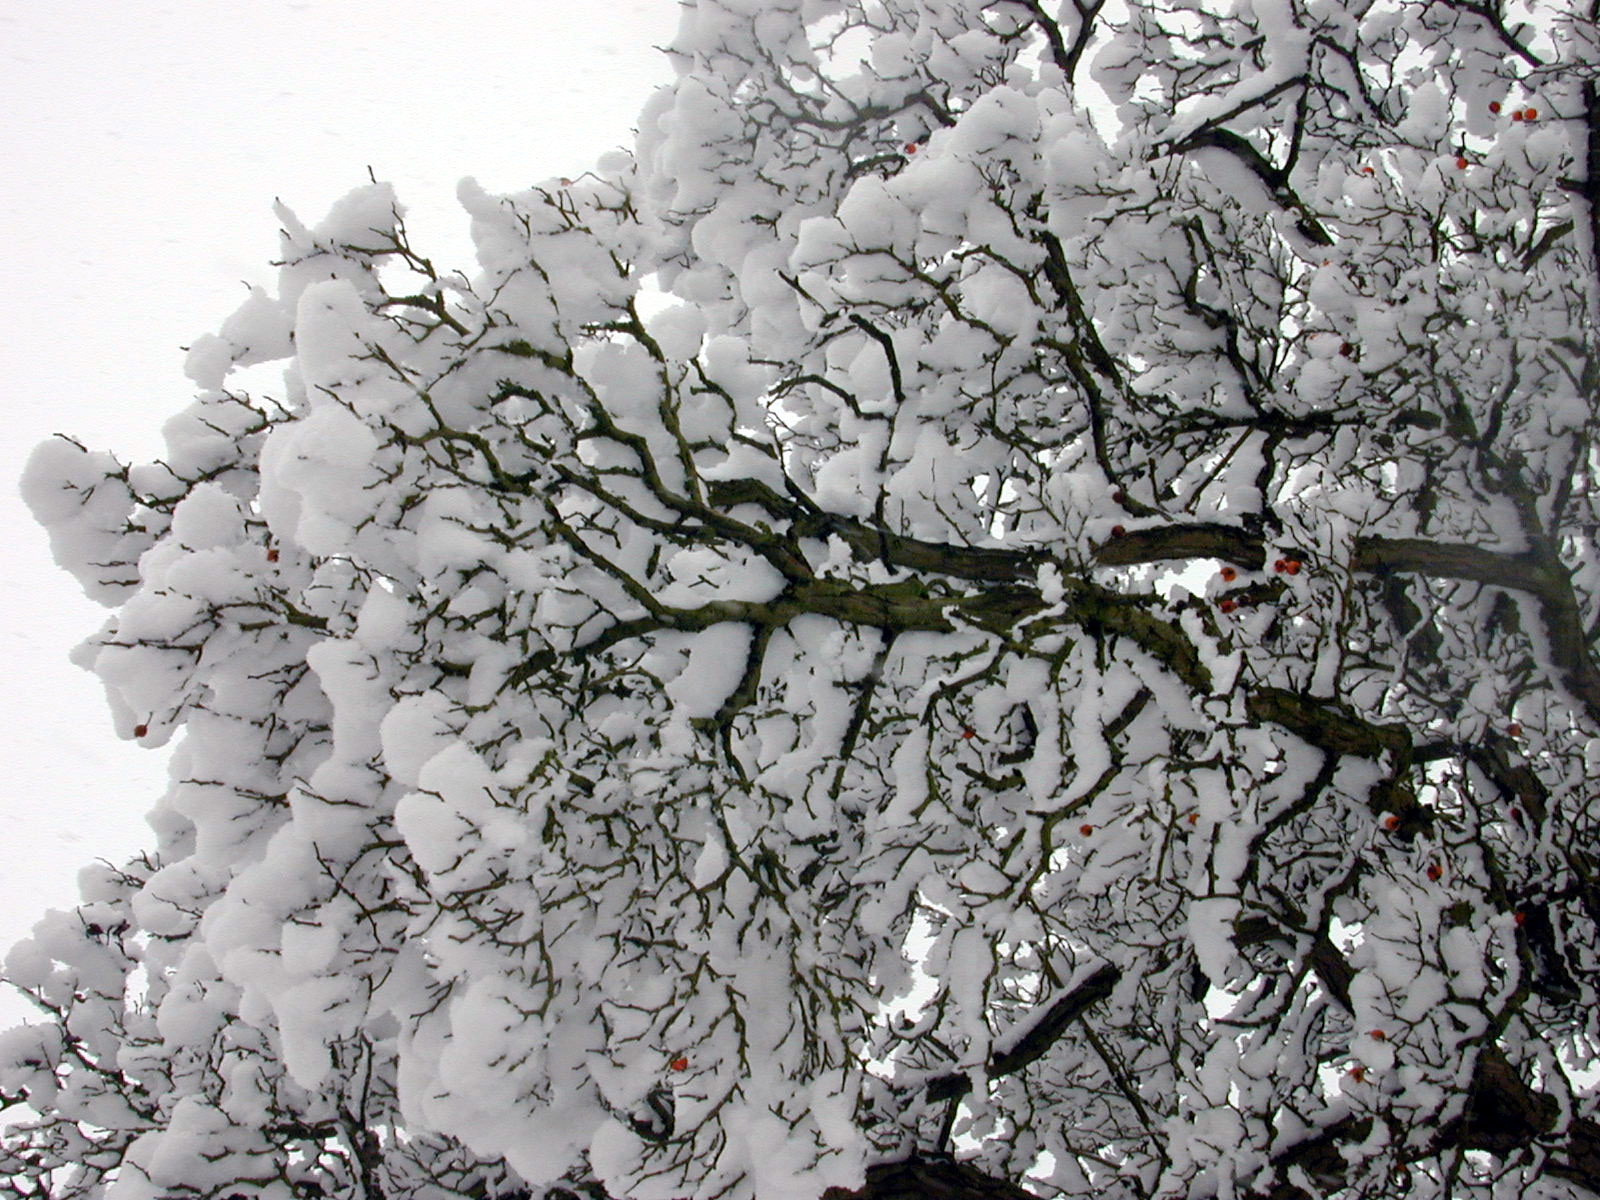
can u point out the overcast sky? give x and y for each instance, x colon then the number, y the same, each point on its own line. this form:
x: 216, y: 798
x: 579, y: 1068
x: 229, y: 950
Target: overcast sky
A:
x: 143, y: 146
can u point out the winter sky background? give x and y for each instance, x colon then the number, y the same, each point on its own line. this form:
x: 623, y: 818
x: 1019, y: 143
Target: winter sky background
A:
x: 143, y: 146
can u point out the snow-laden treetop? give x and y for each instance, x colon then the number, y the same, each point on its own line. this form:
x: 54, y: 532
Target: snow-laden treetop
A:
x: 1017, y: 579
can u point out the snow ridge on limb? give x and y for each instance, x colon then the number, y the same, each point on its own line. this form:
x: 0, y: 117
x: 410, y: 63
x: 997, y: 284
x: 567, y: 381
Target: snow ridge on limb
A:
x: 908, y: 618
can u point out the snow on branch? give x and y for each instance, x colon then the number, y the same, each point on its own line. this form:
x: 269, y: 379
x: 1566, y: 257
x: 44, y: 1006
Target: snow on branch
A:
x: 1005, y: 605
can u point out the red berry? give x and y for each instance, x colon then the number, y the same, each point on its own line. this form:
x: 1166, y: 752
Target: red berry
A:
x: 679, y: 1064
x: 1358, y: 1073
x: 1519, y: 917
x: 1118, y: 530
x: 1346, y: 349
x: 1391, y: 822
x: 272, y: 555
x: 911, y: 147
x: 1119, y: 496
x: 1366, y: 170
x: 1435, y: 872
x: 1292, y: 565
x: 1517, y: 116
x: 969, y: 733
x: 1461, y: 163
x: 1529, y: 114
x: 140, y: 730
x: 1228, y: 574
x: 1194, y: 818
x: 1378, y: 1035
x: 1086, y: 830
x: 1281, y: 565
x: 1494, y: 106
x: 1227, y: 605
x: 1514, y: 729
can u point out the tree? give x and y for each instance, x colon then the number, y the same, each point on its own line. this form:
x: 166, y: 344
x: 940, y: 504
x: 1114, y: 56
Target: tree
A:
x: 1009, y: 600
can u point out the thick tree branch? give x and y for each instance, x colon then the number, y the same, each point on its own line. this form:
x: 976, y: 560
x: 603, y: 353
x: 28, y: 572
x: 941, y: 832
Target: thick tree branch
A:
x: 1039, y: 1036
x: 1537, y: 575
x: 930, y: 1177
x: 1327, y: 724
x: 1590, y: 187
x: 1166, y: 543
x: 1275, y: 179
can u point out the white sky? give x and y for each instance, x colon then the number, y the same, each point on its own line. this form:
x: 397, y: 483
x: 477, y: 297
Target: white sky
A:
x: 142, y: 147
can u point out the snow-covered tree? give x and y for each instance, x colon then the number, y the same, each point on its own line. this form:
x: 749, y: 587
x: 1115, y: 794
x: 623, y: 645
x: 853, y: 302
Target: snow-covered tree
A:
x: 1008, y: 602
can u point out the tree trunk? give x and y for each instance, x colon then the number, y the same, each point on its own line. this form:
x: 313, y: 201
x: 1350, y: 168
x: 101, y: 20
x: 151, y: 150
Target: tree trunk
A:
x: 930, y: 1177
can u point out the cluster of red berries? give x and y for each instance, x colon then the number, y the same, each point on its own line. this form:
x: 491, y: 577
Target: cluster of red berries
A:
x: 1228, y: 603
x: 1528, y: 114
x: 1358, y: 1072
